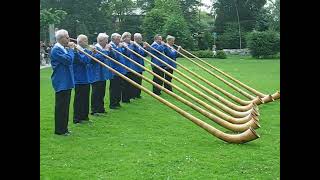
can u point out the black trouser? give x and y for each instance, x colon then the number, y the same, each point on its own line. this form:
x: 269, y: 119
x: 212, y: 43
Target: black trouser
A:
x: 81, y: 102
x: 137, y: 91
x: 157, y: 80
x: 97, y: 97
x: 115, y: 91
x: 61, y: 112
x: 126, y: 88
x: 168, y: 78
x: 131, y: 89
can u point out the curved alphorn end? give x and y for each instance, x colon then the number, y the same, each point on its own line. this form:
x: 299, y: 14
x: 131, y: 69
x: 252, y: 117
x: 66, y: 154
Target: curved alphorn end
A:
x: 255, y: 118
x: 255, y: 113
x: 255, y: 124
x: 254, y: 132
x: 267, y: 98
x: 247, y: 136
x: 257, y: 100
x: 255, y: 106
x: 276, y: 95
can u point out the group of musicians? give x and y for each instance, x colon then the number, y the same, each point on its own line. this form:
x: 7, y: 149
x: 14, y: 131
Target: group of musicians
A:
x: 74, y: 69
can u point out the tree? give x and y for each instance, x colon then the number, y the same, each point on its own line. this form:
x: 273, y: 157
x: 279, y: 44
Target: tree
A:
x: 159, y: 21
x: 81, y: 15
x: 47, y: 17
x: 120, y: 9
x: 145, y: 5
x: 176, y: 26
x: 242, y: 12
x: 275, y: 14
x: 226, y: 12
x: 153, y: 23
x: 51, y: 16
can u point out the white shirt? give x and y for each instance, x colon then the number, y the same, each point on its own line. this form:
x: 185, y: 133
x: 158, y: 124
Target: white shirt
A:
x: 79, y: 47
x: 112, y: 43
x: 99, y: 46
x: 60, y: 46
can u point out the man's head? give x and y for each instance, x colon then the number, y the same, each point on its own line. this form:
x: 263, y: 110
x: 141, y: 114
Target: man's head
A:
x: 102, y: 39
x: 126, y: 37
x: 158, y: 38
x: 115, y: 38
x: 170, y: 40
x: 137, y: 37
x: 82, y: 40
x: 62, y: 37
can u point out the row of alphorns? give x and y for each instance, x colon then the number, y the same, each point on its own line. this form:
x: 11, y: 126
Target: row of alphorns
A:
x: 239, y: 116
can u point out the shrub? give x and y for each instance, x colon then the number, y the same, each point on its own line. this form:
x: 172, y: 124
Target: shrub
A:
x: 263, y: 44
x: 220, y: 54
x: 201, y: 54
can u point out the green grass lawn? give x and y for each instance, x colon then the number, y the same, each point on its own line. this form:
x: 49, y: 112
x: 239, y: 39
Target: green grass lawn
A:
x: 147, y: 140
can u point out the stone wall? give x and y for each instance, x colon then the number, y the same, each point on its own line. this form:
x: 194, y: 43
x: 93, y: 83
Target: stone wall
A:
x: 242, y: 52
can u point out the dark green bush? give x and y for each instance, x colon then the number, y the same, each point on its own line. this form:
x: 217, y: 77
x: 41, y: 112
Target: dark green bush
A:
x: 220, y: 54
x: 265, y: 44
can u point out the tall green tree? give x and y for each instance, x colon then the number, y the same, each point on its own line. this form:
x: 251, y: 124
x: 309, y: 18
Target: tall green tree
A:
x: 242, y: 12
x: 166, y: 18
x: 120, y: 10
x: 83, y: 16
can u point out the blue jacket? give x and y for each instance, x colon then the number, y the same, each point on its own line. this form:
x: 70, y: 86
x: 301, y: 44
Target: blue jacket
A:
x: 137, y: 58
x: 172, y: 54
x: 160, y: 48
x: 81, y: 65
x: 97, y: 71
x: 61, y: 62
x: 119, y: 58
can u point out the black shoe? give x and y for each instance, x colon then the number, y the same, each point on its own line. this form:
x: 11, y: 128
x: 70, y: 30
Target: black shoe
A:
x: 76, y: 121
x: 68, y: 133
x: 114, y: 107
x: 103, y: 112
x: 85, y: 122
x: 157, y: 93
x: 95, y: 114
x: 126, y: 101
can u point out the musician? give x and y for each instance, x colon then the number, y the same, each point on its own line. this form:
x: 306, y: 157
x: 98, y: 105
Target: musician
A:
x: 100, y: 75
x: 159, y: 45
x: 81, y: 65
x: 117, y: 84
x: 172, y: 53
x: 128, y: 88
x: 137, y: 37
x: 62, y: 77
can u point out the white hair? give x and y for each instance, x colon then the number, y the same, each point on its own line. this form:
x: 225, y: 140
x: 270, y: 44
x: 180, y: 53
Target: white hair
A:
x: 60, y: 34
x: 170, y: 37
x: 102, y: 36
x: 125, y: 35
x: 137, y: 35
x: 80, y: 37
x: 114, y: 35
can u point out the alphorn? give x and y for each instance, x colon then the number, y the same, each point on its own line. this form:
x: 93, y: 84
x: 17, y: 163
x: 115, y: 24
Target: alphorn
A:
x: 233, y: 127
x: 246, y: 136
x: 264, y: 97
x: 207, y: 106
x: 267, y: 99
x: 257, y: 100
x: 231, y: 105
x: 241, y: 117
x: 251, y: 111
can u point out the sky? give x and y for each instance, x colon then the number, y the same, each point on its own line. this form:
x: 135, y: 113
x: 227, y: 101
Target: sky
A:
x: 208, y: 3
